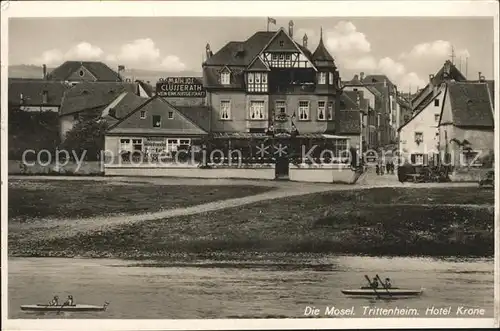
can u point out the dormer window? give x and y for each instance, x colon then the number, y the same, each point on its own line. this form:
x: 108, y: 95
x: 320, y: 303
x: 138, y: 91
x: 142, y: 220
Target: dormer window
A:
x: 322, y: 78
x: 225, y: 77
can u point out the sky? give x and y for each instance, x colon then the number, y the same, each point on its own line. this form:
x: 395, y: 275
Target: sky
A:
x: 406, y: 49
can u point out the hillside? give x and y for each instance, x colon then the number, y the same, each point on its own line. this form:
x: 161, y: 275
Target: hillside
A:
x: 33, y: 71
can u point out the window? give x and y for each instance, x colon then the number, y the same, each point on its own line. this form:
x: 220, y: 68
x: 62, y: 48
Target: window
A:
x: 225, y: 109
x: 303, y: 110
x: 417, y: 159
x: 137, y: 144
x: 256, y: 111
x: 288, y: 57
x: 174, y: 144
x: 419, y: 137
x: 45, y: 97
x: 225, y: 78
x: 378, y: 120
x: 156, y: 121
x: 330, y: 78
x: 125, y: 145
x: 322, y: 78
x: 282, y: 57
x: 280, y: 107
x: 143, y: 114
x: 282, y: 43
x: 170, y: 115
x: 81, y: 73
x: 329, y: 113
x: 321, y: 110
x: 436, y: 102
x: 436, y: 117
x: 257, y: 82
x: 274, y: 57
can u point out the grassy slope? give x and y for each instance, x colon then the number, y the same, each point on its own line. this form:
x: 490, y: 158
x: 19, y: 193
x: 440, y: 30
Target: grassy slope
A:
x: 390, y: 221
x: 31, y: 200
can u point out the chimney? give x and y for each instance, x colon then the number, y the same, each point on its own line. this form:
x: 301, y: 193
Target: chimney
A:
x: 290, y: 29
x: 361, y: 76
x: 44, y: 71
x: 356, y: 77
x: 208, y: 51
x: 481, y: 77
x: 447, y: 68
x: 304, y: 40
x: 121, y: 68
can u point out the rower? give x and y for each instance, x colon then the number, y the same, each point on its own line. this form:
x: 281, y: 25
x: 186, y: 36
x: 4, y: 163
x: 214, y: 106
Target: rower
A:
x: 55, y: 301
x: 70, y: 301
x: 387, y: 283
x: 374, y: 283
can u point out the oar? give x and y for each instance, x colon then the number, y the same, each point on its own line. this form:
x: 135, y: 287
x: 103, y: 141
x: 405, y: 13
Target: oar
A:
x: 60, y: 309
x: 370, y: 284
x: 381, y: 282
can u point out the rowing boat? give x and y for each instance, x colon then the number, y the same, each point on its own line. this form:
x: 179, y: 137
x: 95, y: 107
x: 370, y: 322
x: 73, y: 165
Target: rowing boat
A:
x: 382, y: 292
x: 61, y: 308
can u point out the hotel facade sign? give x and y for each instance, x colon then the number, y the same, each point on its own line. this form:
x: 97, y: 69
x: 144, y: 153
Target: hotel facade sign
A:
x: 180, y: 87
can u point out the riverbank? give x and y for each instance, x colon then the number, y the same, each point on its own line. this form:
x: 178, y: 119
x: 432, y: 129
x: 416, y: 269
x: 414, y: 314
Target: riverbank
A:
x: 446, y: 221
x: 35, y: 200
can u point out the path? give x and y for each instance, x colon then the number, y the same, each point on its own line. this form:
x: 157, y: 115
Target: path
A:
x: 69, y: 228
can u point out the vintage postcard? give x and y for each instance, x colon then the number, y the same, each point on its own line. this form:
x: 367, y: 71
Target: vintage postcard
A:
x: 249, y: 165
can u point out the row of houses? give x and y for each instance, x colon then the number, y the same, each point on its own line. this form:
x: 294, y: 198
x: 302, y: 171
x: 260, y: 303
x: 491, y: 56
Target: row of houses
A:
x: 452, y: 120
x: 267, y: 84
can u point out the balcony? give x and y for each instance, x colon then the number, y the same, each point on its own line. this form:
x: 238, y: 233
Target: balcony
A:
x: 293, y: 88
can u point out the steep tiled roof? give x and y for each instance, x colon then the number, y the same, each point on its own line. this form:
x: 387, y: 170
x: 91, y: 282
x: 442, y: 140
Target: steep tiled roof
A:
x: 90, y: 95
x: 354, y: 81
x: 149, y: 89
x: 349, y: 99
x: 199, y: 115
x: 125, y: 103
x: 179, y: 125
x: 100, y: 70
x: 321, y: 53
x: 242, y: 53
x: 32, y: 91
x: 377, y: 79
x: 230, y: 55
x: 470, y: 104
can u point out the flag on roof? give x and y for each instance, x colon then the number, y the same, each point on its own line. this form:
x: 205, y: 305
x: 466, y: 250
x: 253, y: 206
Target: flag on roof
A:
x: 271, y: 20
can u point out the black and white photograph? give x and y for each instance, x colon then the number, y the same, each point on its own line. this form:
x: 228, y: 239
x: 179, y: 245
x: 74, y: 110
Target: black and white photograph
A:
x: 249, y: 164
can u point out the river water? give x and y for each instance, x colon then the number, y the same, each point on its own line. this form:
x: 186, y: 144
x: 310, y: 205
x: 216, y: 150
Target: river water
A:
x: 252, y: 289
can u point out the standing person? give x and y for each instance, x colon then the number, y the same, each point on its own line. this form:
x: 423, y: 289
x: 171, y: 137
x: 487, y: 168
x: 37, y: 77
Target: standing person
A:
x: 387, y: 283
x: 377, y: 169
x: 374, y: 283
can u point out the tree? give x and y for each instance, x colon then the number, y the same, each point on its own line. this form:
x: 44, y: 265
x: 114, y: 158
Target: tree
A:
x: 86, y: 136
